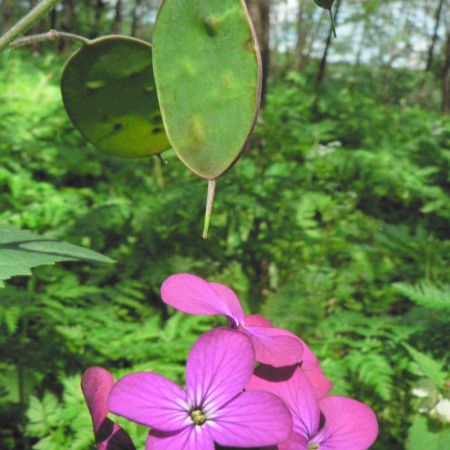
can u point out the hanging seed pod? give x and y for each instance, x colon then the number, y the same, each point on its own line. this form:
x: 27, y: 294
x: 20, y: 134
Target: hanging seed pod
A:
x: 109, y: 92
x: 208, y: 73
x: 327, y: 4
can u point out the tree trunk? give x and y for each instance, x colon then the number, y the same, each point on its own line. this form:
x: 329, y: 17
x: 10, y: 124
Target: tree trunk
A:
x: 117, y: 23
x: 301, y: 37
x: 67, y: 20
x: 437, y: 19
x: 7, y: 14
x: 260, y: 14
x: 99, y: 6
x: 446, y: 79
x: 135, y: 22
x: 323, y: 62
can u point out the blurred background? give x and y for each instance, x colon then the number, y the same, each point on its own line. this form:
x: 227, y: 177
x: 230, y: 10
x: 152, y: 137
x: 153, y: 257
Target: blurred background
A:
x: 334, y: 224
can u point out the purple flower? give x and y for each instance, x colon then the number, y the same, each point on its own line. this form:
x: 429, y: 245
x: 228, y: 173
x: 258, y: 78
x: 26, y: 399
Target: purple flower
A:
x: 213, y: 408
x: 96, y: 385
x: 193, y: 295
x: 310, y: 364
x: 347, y: 424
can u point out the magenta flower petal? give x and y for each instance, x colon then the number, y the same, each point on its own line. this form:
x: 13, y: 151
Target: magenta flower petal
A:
x: 256, y: 320
x: 298, y: 395
x: 150, y: 399
x: 193, y: 295
x: 309, y: 359
x: 191, y: 438
x: 295, y: 442
x: 349, y: 424
x: 231, y: 301
x: 310, y: 364
x: 275, y: 348
x: 96, y: 385
x: 253, y: 419
x: 321, y: 384
x: 218, y: 368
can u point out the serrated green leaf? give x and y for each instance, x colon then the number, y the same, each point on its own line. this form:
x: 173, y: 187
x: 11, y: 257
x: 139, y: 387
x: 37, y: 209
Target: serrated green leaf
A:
x: 21, y: 250
x: 429, y: 367
x: 426, y: 294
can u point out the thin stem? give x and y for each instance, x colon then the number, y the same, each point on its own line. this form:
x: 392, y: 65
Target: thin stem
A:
x: 333, y: 25
x: 26, y: 22
x: 158, y: 172
x: 161, y: 159
x: 51, y: 35
x: 209, y: 206
x: 21, y: 383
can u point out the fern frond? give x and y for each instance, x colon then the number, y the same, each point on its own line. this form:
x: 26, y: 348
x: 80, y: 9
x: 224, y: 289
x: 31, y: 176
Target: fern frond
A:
x: 426, y: 294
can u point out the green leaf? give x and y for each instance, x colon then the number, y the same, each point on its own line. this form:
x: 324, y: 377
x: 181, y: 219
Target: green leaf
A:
x: 428, y: 366
x: 208, y: 74
x: 109, y: 92
x: 426, y: 294
x: 21, y: 250
x: 43, y: 414
x: 420, y: 437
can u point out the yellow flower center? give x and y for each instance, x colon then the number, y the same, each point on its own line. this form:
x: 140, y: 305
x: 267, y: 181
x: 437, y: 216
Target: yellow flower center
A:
x: 197, y: 417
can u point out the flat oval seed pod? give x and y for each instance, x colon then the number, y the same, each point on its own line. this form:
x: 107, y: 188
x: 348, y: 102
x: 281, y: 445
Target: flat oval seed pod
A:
x: 109, y: 92
x: 208, y: 74
x: 325, y: 4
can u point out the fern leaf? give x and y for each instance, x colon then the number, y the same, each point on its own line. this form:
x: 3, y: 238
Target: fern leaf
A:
x: 426, y: 294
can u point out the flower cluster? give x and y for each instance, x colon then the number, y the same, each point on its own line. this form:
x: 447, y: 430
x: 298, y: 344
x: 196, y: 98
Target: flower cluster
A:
x: 250, y: 385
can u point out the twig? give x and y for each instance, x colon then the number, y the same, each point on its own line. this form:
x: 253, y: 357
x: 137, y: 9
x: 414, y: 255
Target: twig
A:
x: 26, y: 22
x: 52, y: 35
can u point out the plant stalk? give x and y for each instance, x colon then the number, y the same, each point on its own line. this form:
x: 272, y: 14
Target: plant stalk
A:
x: 26, y: 22
x: 21, y: 386
x: 333, y: 24
x: 209, y: 206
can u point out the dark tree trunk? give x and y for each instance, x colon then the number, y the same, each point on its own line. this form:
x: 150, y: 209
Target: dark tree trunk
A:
x: 67, y: 20
x: 99, y: 7
x: 260, y: 14
x: 437, y: 19
x: 117, y: 23
x: 323, y: 62
x: 135, y: 22
x: 7, y: 14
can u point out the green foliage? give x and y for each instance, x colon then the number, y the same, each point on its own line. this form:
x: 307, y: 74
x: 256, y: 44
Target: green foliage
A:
x: 426, y: 294
x: 21, y: 250
x: 334, y: 226
x: 420, y: 436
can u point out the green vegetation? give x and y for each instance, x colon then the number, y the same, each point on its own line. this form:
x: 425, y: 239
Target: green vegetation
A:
x: 334, y: 225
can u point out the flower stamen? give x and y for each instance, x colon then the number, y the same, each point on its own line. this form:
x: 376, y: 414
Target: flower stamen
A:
x: 197, y: 417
